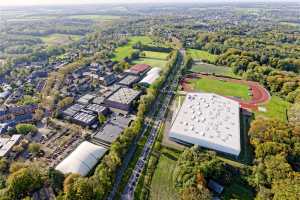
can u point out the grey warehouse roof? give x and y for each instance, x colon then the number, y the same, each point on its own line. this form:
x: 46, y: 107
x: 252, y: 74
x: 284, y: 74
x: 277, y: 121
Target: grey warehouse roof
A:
x: 95, y: 108
x: 129, y: 79
x: 124, y: 95
x: 86, y: 99
x: 112, y: 129
x: 84, y: 117
x: 72, y: 110
x: 98, y: 100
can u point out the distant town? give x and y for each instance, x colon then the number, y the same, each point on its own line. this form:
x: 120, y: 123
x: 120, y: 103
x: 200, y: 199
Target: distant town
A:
x: 150, y: 101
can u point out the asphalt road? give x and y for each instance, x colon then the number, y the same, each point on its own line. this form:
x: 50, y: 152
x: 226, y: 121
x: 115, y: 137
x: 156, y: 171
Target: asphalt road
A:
x: 168, y: 91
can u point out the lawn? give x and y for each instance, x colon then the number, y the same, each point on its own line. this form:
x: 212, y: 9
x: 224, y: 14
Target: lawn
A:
x: 221, y: 88
x: 275, y: 108
x: 154, y: 59
x: 201, y: 55
x: 60, y: 39
x: 151, y: 61
x: 162, y: 184
x: 156, y: 55
x: 126, y: 50
x: 213, y: 69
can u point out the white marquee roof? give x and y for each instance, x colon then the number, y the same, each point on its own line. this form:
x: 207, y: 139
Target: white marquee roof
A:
x: 82, y: 160
x: 151, y: 76
x: 209, y: 120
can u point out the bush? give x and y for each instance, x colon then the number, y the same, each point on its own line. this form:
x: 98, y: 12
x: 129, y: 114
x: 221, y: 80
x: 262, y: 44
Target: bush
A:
x: 24, y: 129
x: 34, y: 148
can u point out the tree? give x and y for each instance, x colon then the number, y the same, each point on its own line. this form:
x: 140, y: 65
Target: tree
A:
x: 24, y: 129
x: 76, y: 187
x: 192, y: 169
x: 101, y: 118
x: 81, y: 190
x: 34, y: 148
x: 270, y: 148
x: 56, y: 179
x: 196, y: 193
x: 18, y: 148
x: 3, y: 165
x: 24, y: 181
x: 28, y: 100
x: 287, y: 188
x: 69, y: 180
x: 65, y: 102
x: 16, y: 166
x: 38, y: 115
x: 276, y: 168
x: 294, y: 114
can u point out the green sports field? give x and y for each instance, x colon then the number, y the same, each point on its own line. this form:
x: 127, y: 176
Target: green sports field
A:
x: 156, y: 55
x: 154, y: 59
x: 201, y: 55
x: 126, y: 50
x: 221, y: 88
x: 212, y: 69
x: 275, y: 108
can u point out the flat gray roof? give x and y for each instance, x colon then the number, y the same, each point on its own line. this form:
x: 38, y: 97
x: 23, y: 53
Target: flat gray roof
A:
x: 98, y: 100
x: 86, y: 98
x: 124, y: 95
x: 129, y: 79
x: 84, y: 117
x: 72, y: 110
x: 95, y: 108
x: 112, y: 129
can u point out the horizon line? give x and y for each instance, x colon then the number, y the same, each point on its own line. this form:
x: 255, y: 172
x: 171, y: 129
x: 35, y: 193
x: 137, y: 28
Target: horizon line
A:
x: 145, y: 3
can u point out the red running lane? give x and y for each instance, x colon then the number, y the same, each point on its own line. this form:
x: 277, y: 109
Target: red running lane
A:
x: 259, y: 94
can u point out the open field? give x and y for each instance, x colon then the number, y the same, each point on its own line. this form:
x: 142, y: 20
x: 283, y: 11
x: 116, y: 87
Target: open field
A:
x: 221, y: 87
x: 212, y: 69
x: 276, y: 108
x: 162, y: 184
x: 60, y: 39
x: 151, y: 61
x: 154, y: 59
x: 156, y: 55
x: 126, y: 50
x: 290, y: 24
x: 201, y: 55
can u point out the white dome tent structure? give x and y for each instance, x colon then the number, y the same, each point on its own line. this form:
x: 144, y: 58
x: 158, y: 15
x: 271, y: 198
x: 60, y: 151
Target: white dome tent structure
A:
x: 151, y: 76
x: 208, y: 120
x: 82, y: 160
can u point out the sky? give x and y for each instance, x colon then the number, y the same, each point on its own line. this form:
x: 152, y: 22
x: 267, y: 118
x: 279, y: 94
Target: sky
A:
x: 72, y: 2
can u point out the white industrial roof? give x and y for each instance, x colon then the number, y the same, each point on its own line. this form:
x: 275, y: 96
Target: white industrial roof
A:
x: 209, y: 120
x: 151, y: 76
x: 82, y: 160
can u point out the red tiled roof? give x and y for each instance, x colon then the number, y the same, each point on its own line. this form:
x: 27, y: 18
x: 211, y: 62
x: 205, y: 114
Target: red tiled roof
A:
x: 140, y: 68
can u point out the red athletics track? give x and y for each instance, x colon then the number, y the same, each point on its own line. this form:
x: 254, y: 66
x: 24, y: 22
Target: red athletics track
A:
x: 259, y: 94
